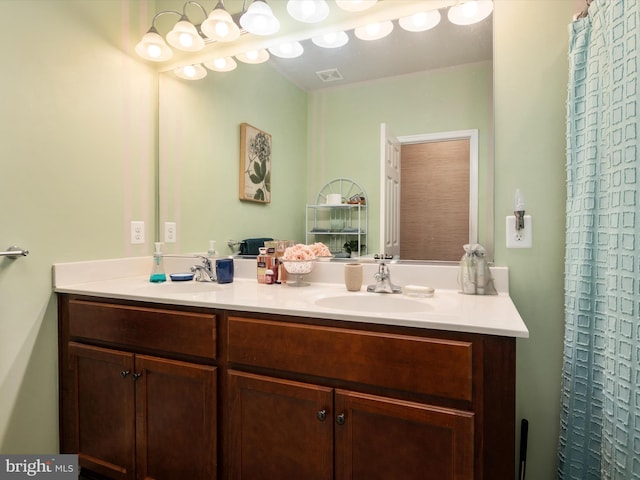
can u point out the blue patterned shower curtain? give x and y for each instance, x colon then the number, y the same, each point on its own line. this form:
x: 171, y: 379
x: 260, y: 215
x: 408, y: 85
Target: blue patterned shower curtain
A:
x: 600, y: 410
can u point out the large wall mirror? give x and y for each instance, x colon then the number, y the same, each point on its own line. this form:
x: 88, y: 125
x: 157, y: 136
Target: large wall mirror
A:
x: 323, y: 111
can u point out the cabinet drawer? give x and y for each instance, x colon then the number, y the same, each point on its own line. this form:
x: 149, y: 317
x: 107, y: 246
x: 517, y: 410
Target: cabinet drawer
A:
x: 185, y: 333
x: 428, y: 366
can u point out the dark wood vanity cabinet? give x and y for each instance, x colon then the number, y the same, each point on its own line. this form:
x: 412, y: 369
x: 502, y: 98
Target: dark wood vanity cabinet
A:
x: 134, y: 404
x: 324, y: 400
x: 155, y: 393
x: 286, y: 429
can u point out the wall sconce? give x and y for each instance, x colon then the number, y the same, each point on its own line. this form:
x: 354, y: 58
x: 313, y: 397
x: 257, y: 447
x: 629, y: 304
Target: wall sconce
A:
x: 519, y: 225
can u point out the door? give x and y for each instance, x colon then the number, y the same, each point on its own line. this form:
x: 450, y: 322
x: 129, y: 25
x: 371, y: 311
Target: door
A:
x: 279, y: 429
x: 389, y: 192
x: 381, y: 438
x: 104, y: 409
x: 175, y: 420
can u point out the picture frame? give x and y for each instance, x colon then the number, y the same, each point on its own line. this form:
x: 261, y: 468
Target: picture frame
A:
x: 255, y: 164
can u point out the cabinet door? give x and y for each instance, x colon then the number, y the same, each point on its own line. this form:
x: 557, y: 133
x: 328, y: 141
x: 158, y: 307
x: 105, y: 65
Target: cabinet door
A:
x: 175, y: 420
x: 103, y: 409
x: 279, y: 429
x: 380, y: 438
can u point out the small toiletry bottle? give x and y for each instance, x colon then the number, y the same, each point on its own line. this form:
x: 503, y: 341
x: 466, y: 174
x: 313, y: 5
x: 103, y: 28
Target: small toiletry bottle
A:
x: 282, y: 272
x: 211, y: 253
x: 268, y: 277
x: 264, y: 262
x: 157, y: 273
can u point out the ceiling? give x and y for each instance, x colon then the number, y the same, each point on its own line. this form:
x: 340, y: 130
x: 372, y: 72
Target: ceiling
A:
x: 399, y: 53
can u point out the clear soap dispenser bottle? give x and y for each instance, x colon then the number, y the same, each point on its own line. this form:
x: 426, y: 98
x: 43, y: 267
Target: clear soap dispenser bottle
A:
x: 157, y: 273
x: 212, y: 253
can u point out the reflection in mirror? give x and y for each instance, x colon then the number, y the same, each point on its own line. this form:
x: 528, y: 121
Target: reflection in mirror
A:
x: 318, y: 133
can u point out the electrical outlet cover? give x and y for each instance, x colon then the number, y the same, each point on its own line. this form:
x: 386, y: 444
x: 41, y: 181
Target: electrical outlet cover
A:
x: 170, y: 233
x: 522, y: 239
x: 137, y: 232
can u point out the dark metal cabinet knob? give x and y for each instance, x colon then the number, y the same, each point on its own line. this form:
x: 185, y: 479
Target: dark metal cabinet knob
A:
x: 124, y: 373
x: 136, y: 376
x: 340, y: 419
x: 321, y: 415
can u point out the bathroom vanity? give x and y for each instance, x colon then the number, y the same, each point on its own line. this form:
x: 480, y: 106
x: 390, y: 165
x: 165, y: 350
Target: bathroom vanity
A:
x: 254, y: 381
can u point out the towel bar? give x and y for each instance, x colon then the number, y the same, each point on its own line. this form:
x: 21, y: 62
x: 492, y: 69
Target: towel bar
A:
x: 14, y: 252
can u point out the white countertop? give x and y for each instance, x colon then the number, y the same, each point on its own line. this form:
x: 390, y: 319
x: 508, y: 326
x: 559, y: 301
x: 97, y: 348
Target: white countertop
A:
x: 325, y: 297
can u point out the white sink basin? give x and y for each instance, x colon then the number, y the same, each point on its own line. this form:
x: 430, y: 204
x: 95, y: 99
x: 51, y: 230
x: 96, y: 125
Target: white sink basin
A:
x: 176, y: 288
x: 373, y: 302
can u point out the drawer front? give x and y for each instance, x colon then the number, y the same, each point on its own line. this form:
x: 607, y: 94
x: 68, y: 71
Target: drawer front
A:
x: 428, y: 366
x: 185, y: 333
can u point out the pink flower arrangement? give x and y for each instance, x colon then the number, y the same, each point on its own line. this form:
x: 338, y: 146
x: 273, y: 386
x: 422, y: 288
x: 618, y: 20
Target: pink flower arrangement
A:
x: 301, y: 251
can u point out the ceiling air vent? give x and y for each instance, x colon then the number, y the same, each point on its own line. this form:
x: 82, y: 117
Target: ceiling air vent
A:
x: 330, y: 75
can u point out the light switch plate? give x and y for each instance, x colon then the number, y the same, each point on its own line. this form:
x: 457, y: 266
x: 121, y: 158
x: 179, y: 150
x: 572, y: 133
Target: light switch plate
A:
x: 523, y: 238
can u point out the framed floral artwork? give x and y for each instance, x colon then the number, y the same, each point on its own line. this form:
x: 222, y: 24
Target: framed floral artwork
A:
x: 255, y: 164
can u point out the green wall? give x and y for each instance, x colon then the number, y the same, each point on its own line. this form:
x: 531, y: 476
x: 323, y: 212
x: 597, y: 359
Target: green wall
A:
x: 200, y: 156
x: 78, y: 139
x: 344, y: 125
x: 531, y: 74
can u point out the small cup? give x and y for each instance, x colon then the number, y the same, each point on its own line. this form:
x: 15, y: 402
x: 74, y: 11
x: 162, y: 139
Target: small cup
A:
x: 224, y: 270
x: 353, y: 276
x: 334, y: 199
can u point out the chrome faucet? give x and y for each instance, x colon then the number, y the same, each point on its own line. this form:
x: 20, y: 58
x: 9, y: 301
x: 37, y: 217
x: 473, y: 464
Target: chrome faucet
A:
x: 383, y: 280
x: 204, y: 272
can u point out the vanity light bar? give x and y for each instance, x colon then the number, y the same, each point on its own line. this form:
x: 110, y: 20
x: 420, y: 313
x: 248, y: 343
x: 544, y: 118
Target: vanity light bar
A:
x: 152, y: 46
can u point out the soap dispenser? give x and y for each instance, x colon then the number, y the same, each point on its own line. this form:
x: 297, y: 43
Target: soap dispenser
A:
x: 211, y: 253
x: 157, y: 273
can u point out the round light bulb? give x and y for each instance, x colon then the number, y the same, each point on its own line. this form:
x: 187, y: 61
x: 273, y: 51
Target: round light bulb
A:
x: 189, y: 71
x: 469, y: 9
x: 330, y: 37
x: 221, y: 64
x: 420, y: 22
x: 308, y: 7
x: 186, y: 40
x: 252, y: 54
x: 154, y: 51
x: 419, y: 19
x: 260, y: 22
x: 222, y: 29
x: 373, y: 29
x: 470, y: 12
x: 286, y: 48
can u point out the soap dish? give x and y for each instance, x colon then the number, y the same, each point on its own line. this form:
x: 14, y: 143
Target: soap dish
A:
x: 181, y: 277
x: 417, y: 291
